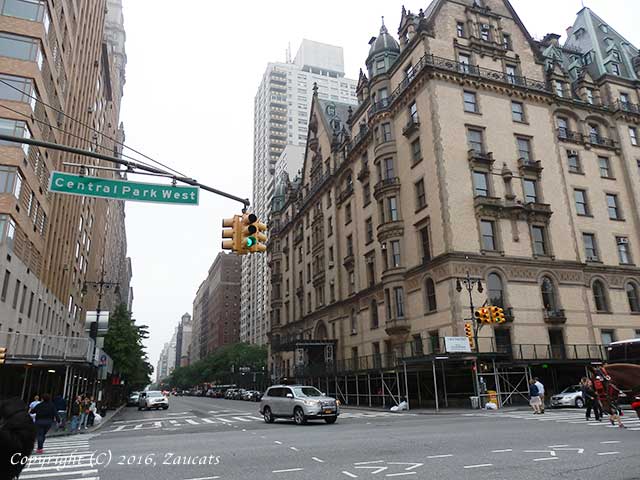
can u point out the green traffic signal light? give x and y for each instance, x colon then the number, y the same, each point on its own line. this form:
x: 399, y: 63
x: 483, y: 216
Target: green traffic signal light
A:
x: 251, y: 241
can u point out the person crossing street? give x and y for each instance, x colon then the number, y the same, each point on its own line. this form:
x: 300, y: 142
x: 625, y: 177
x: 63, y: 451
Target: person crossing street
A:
x: 541, y: 393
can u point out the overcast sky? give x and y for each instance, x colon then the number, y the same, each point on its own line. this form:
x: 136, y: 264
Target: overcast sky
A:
x: 192, y: 73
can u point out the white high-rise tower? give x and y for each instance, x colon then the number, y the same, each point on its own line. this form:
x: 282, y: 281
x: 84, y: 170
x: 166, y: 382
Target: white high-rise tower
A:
x: 281, y: 116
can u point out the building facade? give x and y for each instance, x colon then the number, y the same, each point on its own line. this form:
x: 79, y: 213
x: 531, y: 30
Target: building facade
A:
x: 216, y: 308
x: 183, y: 340
x: 473, y: 150
x: 281, y: 113
x: 57, y: 72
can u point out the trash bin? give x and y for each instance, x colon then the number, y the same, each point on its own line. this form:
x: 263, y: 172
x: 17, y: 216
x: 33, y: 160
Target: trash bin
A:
x: 475, y: 402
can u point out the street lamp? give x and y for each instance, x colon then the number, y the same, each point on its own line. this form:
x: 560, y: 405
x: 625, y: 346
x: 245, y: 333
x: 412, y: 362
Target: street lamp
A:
x: 469, y: 284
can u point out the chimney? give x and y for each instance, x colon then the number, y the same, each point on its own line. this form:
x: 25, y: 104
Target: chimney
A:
x: 551, y: 39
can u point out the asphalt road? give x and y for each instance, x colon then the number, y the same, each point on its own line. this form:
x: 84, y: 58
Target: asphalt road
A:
x: 200, y: 438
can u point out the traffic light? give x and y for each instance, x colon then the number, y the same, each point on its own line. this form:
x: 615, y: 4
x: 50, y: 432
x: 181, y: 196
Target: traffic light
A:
x: 231, y: 229
x: 493, y: 314
x: 498, y: 316
x: 251, y: 237
x: 3, y: 354
x: 468, y: 331
x: 482, y: 315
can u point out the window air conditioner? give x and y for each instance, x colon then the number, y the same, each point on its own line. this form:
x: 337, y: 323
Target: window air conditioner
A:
x: 623, y: 241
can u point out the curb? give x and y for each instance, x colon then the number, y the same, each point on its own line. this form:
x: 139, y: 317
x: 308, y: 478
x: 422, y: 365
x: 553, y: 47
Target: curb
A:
x: 442, y: 412
x: 92, y: 430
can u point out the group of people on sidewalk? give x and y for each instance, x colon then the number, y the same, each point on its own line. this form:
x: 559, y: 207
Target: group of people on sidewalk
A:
x: 590, y: 397
x: 46, y: 412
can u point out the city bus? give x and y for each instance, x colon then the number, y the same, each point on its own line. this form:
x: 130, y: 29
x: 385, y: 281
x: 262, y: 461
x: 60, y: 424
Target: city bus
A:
x: 624, y: 351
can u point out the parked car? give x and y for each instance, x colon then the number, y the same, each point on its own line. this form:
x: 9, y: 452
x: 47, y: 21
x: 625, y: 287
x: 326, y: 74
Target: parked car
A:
x: 132, y: 399
x: 253, y: 396
x: 569, y: 397
x: 153, y: 399
x: 299, y: 402
x: 230, y: 393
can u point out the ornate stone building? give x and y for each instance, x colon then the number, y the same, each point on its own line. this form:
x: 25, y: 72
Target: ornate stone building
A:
x: 474, y: 148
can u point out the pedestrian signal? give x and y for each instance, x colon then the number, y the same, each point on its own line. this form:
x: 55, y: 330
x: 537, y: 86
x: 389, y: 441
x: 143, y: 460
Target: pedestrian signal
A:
x: 231, y: 229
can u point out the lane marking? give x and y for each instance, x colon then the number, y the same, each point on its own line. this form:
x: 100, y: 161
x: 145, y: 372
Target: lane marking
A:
x: 440, y: 456
x: 608, y: 453
x: 278, y: 442
x: 502, y: 451
x: 349, y: 474
x: 174, y: 422
x: 544, y: 459
x: 287, y: 470
x: 202, y: 478
x: 479, y: 465
x: 556, y: 446
x: 58, y: 474
x: 192, y: 422
x: 60, y: 467
x: 208, y: 420
x: 400, y: 474
x: 316, y: 459
x: 369, y: 463
x: 610, y: 441
x: 294, y: 449
x: 143, y: 420
x: 241, y: 419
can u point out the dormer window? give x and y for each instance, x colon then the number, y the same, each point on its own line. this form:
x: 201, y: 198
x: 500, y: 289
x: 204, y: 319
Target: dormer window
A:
x: 460, y: 31
x: 604, y: 28
x: 506, y: 41
x: 559, y: 87
x: 616, y: 55
x: 589, y: 93
x: 578, y: 33
x: 380, y: 66
x: 615, y: 69
x: 587, y: 58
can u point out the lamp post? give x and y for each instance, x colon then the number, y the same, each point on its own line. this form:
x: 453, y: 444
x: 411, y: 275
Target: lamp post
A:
x: 99, y: 286
x: 469, y: 284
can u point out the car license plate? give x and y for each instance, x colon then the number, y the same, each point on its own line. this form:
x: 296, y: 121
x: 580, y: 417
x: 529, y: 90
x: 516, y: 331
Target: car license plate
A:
x: 328, y: 410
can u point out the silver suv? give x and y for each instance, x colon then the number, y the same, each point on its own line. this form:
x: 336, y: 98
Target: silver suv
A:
x: 299, y: 402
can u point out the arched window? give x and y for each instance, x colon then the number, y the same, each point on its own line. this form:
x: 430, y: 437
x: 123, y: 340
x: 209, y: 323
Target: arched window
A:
x: 600, y: 296
x: 496, y: 290
x: 549, y: 298
x: 354, y: 321
x: 632, y: 296
x: 373, y: 309
x: 430, y: 295
x: 321, y: 331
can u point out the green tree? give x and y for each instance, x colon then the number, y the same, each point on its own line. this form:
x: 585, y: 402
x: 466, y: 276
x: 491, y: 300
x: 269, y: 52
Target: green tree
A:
x: 124, y: 343
x: 219, y: 366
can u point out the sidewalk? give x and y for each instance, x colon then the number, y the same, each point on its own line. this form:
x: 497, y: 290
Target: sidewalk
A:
x: 106, y: 419
x: 443, y: 411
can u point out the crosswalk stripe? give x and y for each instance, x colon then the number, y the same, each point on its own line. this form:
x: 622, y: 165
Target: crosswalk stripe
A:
x: 192, y: 422
x: 59, y: 474
x: 208, y: 420
x: 241, y: 419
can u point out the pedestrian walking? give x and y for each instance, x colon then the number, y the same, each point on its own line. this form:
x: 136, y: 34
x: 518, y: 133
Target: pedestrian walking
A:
x: 534, y: 397
x: 17, y: 436
x: 590, y: 399
x: 61, y: 408
x: 46, y: 414
x: 32, y: 405
x: 76, y: 413
x: 541, y: 393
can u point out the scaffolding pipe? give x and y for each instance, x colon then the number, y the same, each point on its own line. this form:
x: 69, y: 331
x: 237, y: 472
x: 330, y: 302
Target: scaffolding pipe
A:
x: 419, y: 388
x: 435, y: 385
x: 444, y: 386
x: 357, y: 391
x: 24, y: 383
x: 369, y: 387
x: 406, y: 385
x: 398, y: 384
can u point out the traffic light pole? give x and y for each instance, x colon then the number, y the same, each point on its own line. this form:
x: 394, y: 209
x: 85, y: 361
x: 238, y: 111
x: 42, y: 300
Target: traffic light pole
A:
x: 129, y: 164
x: 469, y: 283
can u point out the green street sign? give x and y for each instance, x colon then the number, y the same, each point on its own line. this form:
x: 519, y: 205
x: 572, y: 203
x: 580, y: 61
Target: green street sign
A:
x: 71, y: 184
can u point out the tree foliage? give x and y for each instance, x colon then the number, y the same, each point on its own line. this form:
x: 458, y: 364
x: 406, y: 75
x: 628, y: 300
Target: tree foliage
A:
x: 124, y: 344
x: 216, y: 367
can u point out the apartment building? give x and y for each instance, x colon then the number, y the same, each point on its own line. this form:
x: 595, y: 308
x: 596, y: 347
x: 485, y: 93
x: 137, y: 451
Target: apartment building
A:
x: 473, y: 150
x: 281, y: 115
x: 61, y: 82
x: 216, y: 308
